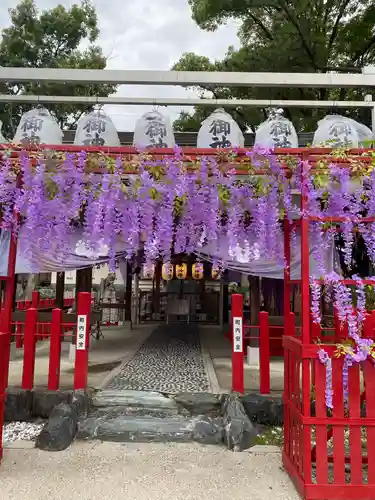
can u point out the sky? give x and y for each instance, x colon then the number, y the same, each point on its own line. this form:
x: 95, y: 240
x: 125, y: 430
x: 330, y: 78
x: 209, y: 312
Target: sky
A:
x: 147, y: 35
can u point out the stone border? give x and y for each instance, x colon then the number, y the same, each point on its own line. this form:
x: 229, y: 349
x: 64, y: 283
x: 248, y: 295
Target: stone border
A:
x: 61, y: 428
x: 128, y: 357
x: 64, y: 409
x: 239, y: 432
x: 264, y: 409
x: 22, y: 405
x: 209, y: 368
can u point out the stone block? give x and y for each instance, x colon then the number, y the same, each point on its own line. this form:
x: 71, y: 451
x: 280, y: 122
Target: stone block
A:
x: 239, y: 432
x: 140, y: 399
x: 199, y: 402
x: 87, y: 428
x: 264, y: 410
x: 18, y: 405
x: 60, y: 430
x: 144, y: 429
x: 82, y: 401
x: 45, y: 401
x: 207, y: 430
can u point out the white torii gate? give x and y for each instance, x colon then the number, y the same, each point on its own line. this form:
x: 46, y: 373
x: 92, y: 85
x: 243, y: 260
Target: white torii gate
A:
x: 366, y: 79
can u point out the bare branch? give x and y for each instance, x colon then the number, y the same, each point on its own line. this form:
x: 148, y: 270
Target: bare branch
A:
x: 337, y: 23
x: 284, y: 8
x: 264, y: 28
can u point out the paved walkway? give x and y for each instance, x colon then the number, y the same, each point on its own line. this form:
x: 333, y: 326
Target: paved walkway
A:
x: 170, y: 361
x: 111, y: 471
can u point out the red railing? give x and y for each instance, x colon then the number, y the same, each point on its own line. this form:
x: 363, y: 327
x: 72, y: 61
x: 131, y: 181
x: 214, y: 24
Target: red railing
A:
x: 328, y: 453
x: 260, y: 333
x: 22, y: 305
x: 242, y: 334
x: 27, y: 334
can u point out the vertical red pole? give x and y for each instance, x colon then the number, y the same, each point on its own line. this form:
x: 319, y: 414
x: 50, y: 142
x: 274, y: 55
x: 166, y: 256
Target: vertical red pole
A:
x: 287, y: 252
x: 35, y: 299
x: 55, y: 351
x: 6, y: 317
x: 305, y: 439
x: 305, y: 264
x: 19, y: 336
x: 83, y: 339
x: 29, y: 349
x: 264, y: 354
x: 237, y: 346
x: 36, y: 303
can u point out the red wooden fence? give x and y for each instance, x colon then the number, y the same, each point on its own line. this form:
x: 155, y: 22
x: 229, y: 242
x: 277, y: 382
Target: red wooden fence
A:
x: 336, y: 333
x: 328, y: 453
x: 27, y: 335
x: 23, y: 305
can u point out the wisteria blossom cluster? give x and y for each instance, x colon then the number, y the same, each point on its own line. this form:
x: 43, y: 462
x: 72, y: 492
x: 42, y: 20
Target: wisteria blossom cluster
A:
x: 341, y: 200
x: 175, y: 205
x: 359, y: 349
x: 165, y: 208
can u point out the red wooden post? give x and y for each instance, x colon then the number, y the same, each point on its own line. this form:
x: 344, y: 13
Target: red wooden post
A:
x: 83, y: 339
x: 264, y: 354
x: 237, y: 346
x: 29, y: 349
x: 286, y: 275
x: 55, y: 351
x: 292, y: 324
x: 19, y: 336
x: 35, y: 299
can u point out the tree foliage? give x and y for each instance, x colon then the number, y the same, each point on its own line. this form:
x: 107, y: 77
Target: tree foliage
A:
x: 288, y: 36
x: 52, y: 39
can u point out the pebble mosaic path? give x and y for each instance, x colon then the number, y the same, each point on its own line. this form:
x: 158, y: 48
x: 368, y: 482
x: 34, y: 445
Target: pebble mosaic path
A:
x: 170, y: 361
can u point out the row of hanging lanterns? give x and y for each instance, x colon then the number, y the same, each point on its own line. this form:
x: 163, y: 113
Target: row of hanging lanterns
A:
x: 219, y: 130
x: 168, y: 271
x: 180, y: 272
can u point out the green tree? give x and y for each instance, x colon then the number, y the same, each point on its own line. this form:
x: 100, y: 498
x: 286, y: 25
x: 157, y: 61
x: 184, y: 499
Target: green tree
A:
x: 52, y: 39
x: 287, y: 36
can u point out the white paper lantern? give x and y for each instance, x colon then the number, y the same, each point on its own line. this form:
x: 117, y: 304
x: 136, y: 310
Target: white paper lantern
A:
x: 153, y: 130
x: 219, y: 130
x: 276, y: 132
x: 38, y: 126
x: 340, y: 131
x: 96, y: 129
x: 2, y: 138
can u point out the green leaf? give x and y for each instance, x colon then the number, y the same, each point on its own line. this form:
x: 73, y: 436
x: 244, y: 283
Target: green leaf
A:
x: 285, y: 36
x: 51, y: 39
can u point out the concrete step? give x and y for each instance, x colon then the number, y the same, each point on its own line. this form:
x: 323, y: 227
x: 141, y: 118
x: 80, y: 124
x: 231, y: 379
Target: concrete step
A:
x: 152, y: 429
x: 142, y: 416
x: 136, y: 399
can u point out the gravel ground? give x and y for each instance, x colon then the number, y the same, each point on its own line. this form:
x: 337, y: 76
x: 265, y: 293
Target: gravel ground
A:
x: 170, y: 361
x: 24, y: 431
x: 111, y: 471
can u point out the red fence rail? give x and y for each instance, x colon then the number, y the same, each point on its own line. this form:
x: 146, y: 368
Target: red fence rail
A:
x: 241, y: 334
x: 27, y: 335
x: 328, y: 453
x: 22, y: 305
x: 261, y: 334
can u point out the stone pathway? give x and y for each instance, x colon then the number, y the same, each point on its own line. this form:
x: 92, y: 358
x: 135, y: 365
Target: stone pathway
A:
x: 170, y: 361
